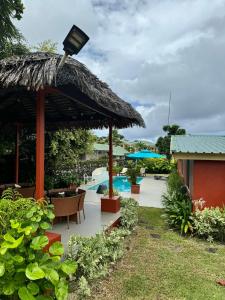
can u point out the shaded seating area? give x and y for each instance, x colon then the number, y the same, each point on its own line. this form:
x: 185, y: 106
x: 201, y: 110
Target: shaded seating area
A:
x: 36, y: 94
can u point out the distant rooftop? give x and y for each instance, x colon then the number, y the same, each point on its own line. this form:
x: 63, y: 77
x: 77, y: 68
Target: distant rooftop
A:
x: 117, y: 150
x: 207, y: 144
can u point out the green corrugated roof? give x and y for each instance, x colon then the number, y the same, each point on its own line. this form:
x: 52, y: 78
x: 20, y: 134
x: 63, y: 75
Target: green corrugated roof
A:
x: 210, y: 144
x: 117, y: 150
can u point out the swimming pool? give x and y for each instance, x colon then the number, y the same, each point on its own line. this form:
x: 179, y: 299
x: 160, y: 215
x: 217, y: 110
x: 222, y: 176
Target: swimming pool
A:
x: 120, y: 183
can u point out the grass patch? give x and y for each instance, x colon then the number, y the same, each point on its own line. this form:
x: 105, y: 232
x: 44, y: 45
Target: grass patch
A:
x: 171, y: 267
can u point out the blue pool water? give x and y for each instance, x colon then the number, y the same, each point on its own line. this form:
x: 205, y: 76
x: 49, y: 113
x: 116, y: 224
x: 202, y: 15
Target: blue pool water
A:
x: 120, y: 183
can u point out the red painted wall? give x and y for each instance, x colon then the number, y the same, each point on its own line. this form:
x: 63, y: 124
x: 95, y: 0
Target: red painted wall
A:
x: 209, y: 182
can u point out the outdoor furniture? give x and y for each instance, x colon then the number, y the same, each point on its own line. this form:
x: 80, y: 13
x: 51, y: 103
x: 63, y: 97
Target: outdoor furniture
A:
x: 27, y: 192
x: 142, y: 172
x: 82, y: 194
x: 123, y: 172
x: 55, y: 192
x: 66, y: 206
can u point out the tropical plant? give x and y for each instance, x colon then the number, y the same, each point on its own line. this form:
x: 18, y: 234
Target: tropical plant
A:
x: 26, y: 271
x: 10, y: 9
x: 157, y: 165
x: 132, y: 172
x: 115, y: 192
x: 46, y: 46
x: 163, y: 143
x: 178, y: 205
x: 95, y: 255
x: 209, y: 223
x: 129, y: 213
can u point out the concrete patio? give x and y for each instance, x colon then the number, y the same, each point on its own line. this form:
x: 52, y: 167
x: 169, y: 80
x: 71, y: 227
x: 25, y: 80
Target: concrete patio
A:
x: 97, y: 221
x: 150, y: 193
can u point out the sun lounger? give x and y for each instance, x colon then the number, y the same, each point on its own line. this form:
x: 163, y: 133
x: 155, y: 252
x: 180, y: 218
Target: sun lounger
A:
x: 123, y: 172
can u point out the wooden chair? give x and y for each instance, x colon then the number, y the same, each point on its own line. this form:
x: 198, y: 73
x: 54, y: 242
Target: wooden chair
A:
x: 27, y: 192
x: 82, y: 194
x: 66, y: 207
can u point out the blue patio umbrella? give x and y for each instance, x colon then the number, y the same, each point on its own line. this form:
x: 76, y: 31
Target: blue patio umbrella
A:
x: 144, y: 154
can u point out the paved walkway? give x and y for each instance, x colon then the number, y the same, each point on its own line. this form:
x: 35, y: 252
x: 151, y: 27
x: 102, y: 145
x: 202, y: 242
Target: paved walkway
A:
x: 150, y: 193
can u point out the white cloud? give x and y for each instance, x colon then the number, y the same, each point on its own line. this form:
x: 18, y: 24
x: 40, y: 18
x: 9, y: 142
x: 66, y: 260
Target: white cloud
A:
x: 143, y: 49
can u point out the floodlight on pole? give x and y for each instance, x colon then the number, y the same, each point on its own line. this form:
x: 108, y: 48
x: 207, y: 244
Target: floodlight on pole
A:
x: 73, y: 43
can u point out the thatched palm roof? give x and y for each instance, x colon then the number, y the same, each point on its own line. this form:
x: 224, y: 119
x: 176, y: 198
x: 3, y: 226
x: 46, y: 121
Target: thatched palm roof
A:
x: 81, y: 100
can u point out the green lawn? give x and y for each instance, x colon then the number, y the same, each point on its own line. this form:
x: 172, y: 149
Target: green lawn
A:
x: 169, y: 267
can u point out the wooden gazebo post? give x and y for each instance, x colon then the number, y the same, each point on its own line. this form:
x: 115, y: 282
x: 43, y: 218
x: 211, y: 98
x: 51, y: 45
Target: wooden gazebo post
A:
x: 110, y: 162
x: 17, y: 149
x: 40, y: 144
x: 110, y: 203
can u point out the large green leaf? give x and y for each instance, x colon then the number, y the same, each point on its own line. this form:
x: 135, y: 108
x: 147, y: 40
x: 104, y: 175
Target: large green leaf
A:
x: 34, y: 272
x: 39, y: 242
x: 33, y: 288
x: 69, y: 267
x: 45, y: 225
x: 18, y: 259
x: 9, y: 288
x: 9, y: 238
x: 61, y: 290
x: 56, y: 249
x: 50, y: 215
x: 41, y: 297
x: 2, y: 269
x: 13, y: 243
x: 24, y: 294
x: 53, y: 276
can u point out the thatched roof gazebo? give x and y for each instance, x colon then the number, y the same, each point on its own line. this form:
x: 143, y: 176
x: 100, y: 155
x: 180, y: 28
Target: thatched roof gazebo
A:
x: 33, y: 90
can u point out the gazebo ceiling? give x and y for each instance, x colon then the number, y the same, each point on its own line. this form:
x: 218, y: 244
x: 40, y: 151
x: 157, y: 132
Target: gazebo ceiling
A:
x: 74, y: 97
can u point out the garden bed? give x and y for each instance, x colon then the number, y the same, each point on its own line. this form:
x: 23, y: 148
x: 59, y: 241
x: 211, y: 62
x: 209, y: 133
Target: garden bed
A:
x: 167, y: 267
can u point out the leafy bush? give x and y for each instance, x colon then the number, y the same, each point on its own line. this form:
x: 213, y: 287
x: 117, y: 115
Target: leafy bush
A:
x: 178, y: 205
x: 94, y: 255
x: 157, y: 165
x: 132, y: 172
x: 210, y: 223
x: 13, y: 206
x: 26, y: 272
x: 115, y: 192
x: 129, y: 213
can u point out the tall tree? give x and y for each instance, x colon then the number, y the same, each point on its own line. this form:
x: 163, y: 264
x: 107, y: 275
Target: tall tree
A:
x: 163, y: 143
x: 10, y: 9
x: 11, y: 40
x: 46, y: 46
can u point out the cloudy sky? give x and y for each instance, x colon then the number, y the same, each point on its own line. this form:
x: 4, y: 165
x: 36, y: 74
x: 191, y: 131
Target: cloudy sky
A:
x: 144, y: 49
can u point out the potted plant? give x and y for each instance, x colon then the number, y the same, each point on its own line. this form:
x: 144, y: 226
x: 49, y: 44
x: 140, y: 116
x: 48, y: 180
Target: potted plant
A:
x: 110, y: 204
x: 116, y: 170
x: 133, y: 173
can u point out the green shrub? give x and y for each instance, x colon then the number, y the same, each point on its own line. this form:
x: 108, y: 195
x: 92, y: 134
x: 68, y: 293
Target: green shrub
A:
x: 157, y: 165
x: 26, y: 272
x: 133, y: 172
x: 129, y: 213
x: 13, y: 206
x: 94, y: 255
x: 209, y: 223
x: 178, y: 205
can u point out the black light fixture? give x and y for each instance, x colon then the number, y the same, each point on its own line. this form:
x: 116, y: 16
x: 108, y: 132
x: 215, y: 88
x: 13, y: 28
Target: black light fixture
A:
x: 73, y: 43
